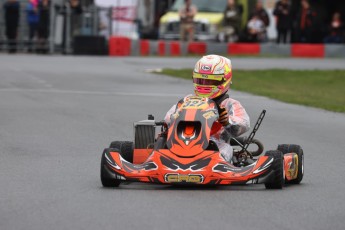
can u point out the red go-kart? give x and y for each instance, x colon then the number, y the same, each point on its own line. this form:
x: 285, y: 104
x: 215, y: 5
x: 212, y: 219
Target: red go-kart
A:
x: 183, y: 154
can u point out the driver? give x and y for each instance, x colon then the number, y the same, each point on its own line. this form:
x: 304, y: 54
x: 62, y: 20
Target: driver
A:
x: 212, y: 79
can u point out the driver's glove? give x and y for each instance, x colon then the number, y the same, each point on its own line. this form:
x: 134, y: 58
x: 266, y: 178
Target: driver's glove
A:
x: 223, y: 117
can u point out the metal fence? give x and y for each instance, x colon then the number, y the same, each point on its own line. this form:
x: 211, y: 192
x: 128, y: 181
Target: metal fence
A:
x: 23, y: 29
x: 64, y: 25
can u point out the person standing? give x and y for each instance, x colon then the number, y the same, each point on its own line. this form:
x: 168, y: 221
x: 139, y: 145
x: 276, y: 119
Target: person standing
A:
x: 32, y: 19
x: 187, y: 13
x: 305, y: 23
x: 232, y: 21
x: 43, y: 25
x: 11, y: 9
x: 282, y: 13
x: 262, y: 14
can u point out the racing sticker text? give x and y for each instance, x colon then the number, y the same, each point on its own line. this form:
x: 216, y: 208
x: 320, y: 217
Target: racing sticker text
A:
x: 178, y: 178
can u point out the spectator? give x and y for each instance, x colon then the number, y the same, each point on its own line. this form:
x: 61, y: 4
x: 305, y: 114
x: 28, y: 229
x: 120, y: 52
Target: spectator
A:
x: 255, y: 31
x: 260, y: 12
x: 282, y: 13
x: 305, y: 23
x: 336, y: 30
x: 43, y: 25
x: 187, y: 13
x: 32, y: 19
x: 11, y: 9
x: 232, y: 21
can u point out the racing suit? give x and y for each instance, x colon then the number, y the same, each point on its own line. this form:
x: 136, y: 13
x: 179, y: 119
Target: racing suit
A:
x: 239, y: 123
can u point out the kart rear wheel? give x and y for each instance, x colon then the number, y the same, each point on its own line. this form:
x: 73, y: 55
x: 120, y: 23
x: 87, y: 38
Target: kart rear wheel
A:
x: 106, y: 179
x: 125, y: 148
x: 285, y: 148
x: 277, y: 180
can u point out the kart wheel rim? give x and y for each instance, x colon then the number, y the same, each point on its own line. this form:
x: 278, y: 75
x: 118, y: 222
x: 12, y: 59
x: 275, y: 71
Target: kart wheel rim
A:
x: 302, y: 164
x: 284, y: 169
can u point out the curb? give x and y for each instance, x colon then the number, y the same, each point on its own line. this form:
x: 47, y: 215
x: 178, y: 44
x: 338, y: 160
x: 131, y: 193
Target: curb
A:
x: 122, y: 46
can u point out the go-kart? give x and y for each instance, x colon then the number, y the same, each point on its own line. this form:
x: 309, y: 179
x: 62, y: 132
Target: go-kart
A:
x: 184, y: 154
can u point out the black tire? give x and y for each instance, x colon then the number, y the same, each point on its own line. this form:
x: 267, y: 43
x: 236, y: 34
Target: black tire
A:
x: 277, y: 180
x: 106, y: 179
x: 126, y: 149
x: 285, y: 148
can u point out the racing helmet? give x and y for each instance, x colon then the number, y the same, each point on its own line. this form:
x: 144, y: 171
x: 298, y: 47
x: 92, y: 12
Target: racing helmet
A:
x: 212, y: 76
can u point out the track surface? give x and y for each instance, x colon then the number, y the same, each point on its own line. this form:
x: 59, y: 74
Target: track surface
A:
x: 58, y: 113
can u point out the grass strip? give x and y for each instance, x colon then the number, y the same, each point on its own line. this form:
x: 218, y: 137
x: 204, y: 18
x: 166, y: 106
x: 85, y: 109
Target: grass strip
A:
x: 323, y: 89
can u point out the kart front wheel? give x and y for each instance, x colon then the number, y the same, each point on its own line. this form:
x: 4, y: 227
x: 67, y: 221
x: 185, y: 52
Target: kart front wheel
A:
x: 107, y: 178
x: 277, y: 180
x: 125, y: 148
x: 285, y: 148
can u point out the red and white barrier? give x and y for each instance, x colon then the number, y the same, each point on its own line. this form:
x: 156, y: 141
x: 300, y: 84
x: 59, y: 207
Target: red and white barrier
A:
x: 308, y: 50
x: 122, y: 46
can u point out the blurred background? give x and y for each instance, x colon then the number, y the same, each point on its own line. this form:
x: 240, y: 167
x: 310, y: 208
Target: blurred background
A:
x: 68, y: 26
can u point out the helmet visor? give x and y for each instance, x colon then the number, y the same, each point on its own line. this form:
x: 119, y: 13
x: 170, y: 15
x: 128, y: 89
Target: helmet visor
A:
x: 201, y: 81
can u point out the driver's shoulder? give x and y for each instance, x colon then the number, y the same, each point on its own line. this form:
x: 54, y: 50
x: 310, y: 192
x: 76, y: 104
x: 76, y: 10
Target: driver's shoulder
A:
x: 230, y: 100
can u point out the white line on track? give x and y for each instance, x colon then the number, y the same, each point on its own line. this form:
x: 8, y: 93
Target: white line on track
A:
x: 81, y: 92
x: 31, y: 76
x: 58, y: 91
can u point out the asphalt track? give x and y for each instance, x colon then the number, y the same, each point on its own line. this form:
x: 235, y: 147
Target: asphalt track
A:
x: 58, y: 113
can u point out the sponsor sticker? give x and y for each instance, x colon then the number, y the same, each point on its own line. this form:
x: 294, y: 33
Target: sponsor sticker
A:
x: 206, y: 68
x: 209, y: 114
x: 178, y: 178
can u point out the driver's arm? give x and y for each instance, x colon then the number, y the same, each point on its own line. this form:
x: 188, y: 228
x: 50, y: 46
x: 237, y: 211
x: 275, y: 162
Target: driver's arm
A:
x: 239, y: 121
x: 171, y: 111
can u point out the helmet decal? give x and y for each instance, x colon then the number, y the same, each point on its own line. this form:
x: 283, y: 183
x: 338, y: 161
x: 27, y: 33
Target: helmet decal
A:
x: 205, y: 69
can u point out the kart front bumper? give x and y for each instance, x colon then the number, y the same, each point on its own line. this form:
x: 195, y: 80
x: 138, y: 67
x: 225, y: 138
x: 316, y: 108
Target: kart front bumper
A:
x: 208, y: 168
